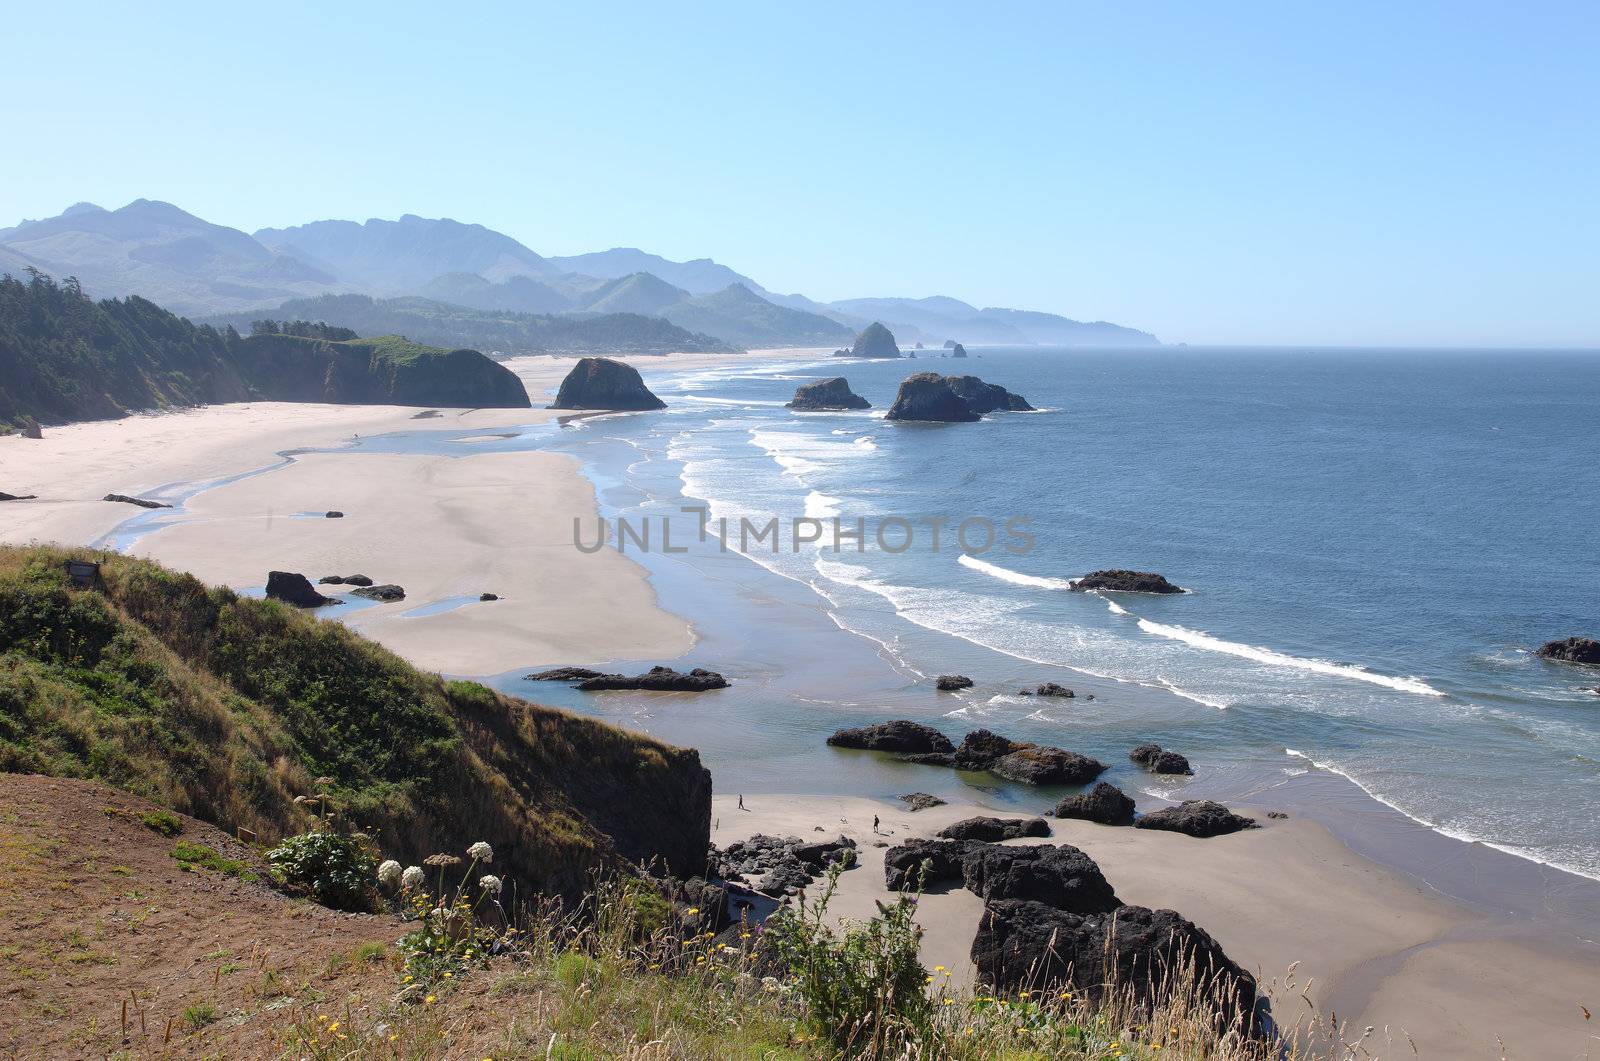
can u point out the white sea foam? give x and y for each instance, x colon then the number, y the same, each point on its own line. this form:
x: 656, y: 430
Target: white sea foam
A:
x: 1271, y: 658
x: 1017, y: 578
x: 821, y: 506
x: 706, y: 399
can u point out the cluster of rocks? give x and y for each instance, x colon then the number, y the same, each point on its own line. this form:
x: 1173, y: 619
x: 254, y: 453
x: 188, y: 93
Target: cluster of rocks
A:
x: 656, y: 679
x: 124, y: 499
x: 784, y: 865
x: 827, y: 395
x: 603, y: 384
x: 1120, y: 580
x: 1572, y: 650
x: 928, y: 396
x: 1052, y: 689
x: 979, y: 751
x: 875, y: 341
x: 1159, y: 761
x: 344, y: 580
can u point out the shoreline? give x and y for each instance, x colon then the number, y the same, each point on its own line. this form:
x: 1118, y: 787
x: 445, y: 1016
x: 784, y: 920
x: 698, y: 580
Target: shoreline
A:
x: 1317, y: 924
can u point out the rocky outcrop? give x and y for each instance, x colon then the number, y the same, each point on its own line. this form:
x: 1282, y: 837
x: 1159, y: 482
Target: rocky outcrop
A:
x: 1104, y: 803
x: 783, y: 865
x: 16, y: 497
x: 566, y: 674
x: 388, y: 594
x: 344, y: 580
x: 994, y: 830
x: 874, y: 341
x: 295, y: 589
x: 601, y: 383
x: 1050, y: 689
x: 897, y: 736
x: 1196, y: 817
x: 1060, y: 876
x: 928, y: 396
x: 957, y: 350
x: 827, y: 395
x: 1029, y: 946
x: 1160, y: 761
x: 949, y: 683
x: 31, y: 428
x: 925, y: 863
x: 140, y: 501
x: 1572, y: 650
x: 984, y: 397
x: 920, y: 800
x: 1119, y: 580
x: 1031, y: 764
x: 658, y: 679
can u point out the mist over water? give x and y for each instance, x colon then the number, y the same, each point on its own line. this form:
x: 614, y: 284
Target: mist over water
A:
x: 1372, y: 542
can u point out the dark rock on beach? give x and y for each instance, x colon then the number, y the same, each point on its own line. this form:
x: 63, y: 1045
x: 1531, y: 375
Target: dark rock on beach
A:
x: 345, y: 580
x: 1061, y: 876
x: 874, y: 341
x: 898, y: 736
x: 333, y: 515
x: 928, y: 396
x: 784, y: 865
x: 601, y: 383
x: 1572, y: 650
x: 387, y: 594
x: 920, y: 800
x: 1160, y: 761
x: 903, y: 866
x: 486, y: 597
x: 1024, y: 945
x: 994, y: 830
x: 1104, y: 803
x: 658, y: 679
x: 1196, y: 817
x: 566, y: 674
x: 951, y: 682
x: 295, y: 589
x: 1118, y: 580
x: 984, y: 397
x: 827, y: 394
x: 16, y: 497
x: 141, y: 502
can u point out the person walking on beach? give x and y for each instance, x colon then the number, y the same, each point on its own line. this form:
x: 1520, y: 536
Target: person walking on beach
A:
x: 874, y: 823
x: 741, y: 802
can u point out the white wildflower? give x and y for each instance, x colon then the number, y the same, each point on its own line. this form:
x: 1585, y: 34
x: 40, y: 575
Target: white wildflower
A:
x: 490, y: 884
x: 412, y: 879
x: 389, y: 873
x: 482, y: 852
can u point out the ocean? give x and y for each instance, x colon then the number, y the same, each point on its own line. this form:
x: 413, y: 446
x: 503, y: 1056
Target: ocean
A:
x: 1372, y: 541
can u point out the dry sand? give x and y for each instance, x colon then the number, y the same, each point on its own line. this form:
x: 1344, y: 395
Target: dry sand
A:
x: 1288, y: 901
x: 440, y: 527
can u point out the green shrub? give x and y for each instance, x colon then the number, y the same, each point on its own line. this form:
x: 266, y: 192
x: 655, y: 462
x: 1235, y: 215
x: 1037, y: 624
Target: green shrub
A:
x: 199, y: 1016
x: 163, y: 822
x: 336, y: 869
x: 191, y: 856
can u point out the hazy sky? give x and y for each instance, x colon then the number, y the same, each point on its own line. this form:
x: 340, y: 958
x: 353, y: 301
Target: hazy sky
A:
x: 1415, y: 173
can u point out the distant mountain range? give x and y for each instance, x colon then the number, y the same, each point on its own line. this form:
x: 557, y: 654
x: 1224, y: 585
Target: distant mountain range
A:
x: 157, y: 251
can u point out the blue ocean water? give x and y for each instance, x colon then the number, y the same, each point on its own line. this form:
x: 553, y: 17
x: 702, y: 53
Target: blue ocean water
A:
x: 1373, y: 542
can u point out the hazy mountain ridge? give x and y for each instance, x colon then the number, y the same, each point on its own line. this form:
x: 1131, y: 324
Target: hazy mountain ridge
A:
x: 184, y: 263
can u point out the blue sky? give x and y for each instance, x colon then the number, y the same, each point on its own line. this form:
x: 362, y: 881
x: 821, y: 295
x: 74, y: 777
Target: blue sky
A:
x: 1351, y: 173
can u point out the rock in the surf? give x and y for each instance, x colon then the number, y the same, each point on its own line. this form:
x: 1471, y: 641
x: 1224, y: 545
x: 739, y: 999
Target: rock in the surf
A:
x: 1043, y: 765
x: 874, y: 341
x: 1104, y: 803
x: 898, y: 736
x: 292, y: 588
x: 928, y: 396
x: 1158, y: 760
x: 984, y: 397
x: 994, y: 830
x: 601, y: 383
x: 1050, y: 689
x: 951, y: 682
x: 957, y: 350
x: 1119, y: 580
x: 920, y: 800
x: 1196, y: 817
x: 1572, y: 650
x: 658, y: 679
x: 827, y: 395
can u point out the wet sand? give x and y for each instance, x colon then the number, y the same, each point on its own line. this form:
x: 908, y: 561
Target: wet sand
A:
x: 1315, y: 922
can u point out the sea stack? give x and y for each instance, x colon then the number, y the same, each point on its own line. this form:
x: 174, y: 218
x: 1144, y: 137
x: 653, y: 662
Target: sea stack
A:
x: 928, y: 396
x: 1572, y: 650
x: 986, y: 397
x: 957, y: 350
x: 827, y: 395
x: 874, y: 341
x: 601, y: 383
x: 1120, y: 580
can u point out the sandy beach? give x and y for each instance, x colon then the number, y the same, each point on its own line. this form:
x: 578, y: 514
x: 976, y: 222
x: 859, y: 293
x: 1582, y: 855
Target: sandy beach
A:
x: 441, y: 527
x: 1313, y: 921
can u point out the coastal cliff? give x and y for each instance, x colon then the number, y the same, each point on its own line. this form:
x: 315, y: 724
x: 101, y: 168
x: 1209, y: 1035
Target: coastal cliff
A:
x: 227, y: 709
x: 386, y: 370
